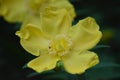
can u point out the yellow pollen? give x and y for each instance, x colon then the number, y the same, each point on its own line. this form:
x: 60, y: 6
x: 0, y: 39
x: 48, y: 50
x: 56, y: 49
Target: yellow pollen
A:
x: 60, y: 45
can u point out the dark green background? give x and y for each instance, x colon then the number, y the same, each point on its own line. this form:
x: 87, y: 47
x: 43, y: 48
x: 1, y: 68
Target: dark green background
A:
x: 107, y: 15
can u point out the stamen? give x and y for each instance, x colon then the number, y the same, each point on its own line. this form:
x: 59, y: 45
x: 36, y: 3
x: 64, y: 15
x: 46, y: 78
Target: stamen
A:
x: 60, y: 45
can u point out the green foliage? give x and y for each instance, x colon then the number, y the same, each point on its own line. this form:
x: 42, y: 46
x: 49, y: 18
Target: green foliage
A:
x: 104, y: 71
x: 100, y: 46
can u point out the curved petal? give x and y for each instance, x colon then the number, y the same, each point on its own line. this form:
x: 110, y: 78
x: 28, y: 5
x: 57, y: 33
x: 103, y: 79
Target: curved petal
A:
x: 43, y: 63
x: 2, y: 8
x: 60, y: 4
x: 31, y: 19
x: 32, y: 39
x: 13, y: 10
x: 85, y: 34
x: 77, y: 63
x: 55, y: 22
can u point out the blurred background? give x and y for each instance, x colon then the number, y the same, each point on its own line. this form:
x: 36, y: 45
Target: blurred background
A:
x: 107, y: 14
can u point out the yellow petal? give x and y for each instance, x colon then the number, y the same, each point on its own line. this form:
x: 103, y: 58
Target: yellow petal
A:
x: 43, y: 63
x: 65, y: 4
x: 16, y: 10
x: 32, y: 39
x: 3, y: 10
x: 85, y: 34
x: 77, y: 63
x: 55, y: 22
x: 31, y: 19
x: 13, y: 10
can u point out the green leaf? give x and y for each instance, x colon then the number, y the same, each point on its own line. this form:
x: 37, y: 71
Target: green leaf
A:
x: 32, y: 74
x: 101, y: 46
x: 50, y: 75
x: 53, y: 75
x: 43, y: 73
x: 56, y: 76
x: 17, y: 26
x: 73, y: 0
x: 24, y: 66
x: 107, y: 68
x: 103, y: 71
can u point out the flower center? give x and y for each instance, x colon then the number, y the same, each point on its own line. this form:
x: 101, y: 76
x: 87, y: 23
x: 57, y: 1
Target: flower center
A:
x: 60, y: 45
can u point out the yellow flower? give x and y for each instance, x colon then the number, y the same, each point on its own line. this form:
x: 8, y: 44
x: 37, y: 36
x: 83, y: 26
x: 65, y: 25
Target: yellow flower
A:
x: 55, y: 40
x: 18, y: 10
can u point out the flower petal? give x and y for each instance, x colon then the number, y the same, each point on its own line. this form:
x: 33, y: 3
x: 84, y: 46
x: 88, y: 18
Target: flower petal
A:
x: 77, y: 63
x: 65, y: 4
x: 31, y: 19
x: 13, y: 10
x: 85, y: 34
x: 55, y: 22
x: 32, y: 39
x: 43, y: 63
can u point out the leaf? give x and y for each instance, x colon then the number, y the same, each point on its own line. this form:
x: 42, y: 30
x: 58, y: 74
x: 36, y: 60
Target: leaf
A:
x: 53, y: 75
x: 32, y: 74
x: 17, y: 26
x: 73, y: 0
x: 103, y: 71
x: 106, y: 69
x: 24, y: 66
x: 50, y: 75
x: 43, y: 73
x: 101, y: 46
x: 56, y: 76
